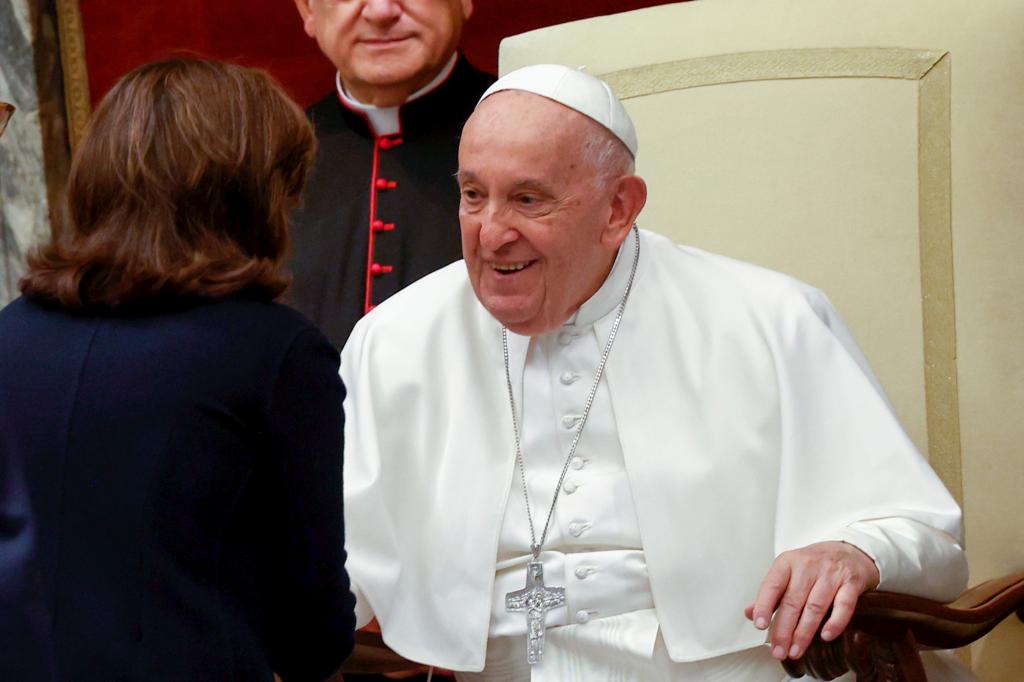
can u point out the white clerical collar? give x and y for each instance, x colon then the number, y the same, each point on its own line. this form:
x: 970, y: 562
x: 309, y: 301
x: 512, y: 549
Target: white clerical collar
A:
x: 385, y: 120
x: 608, y: 296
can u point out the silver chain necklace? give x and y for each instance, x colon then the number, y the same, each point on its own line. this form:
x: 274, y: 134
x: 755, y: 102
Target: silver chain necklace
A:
x: 536, y: 599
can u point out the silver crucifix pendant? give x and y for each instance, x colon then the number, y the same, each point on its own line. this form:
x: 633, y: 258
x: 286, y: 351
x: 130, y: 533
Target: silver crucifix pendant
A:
x: 536, y: 600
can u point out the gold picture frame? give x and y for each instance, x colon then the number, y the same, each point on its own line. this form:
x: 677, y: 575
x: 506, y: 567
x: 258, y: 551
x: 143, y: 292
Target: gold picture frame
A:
x: 76, y: 72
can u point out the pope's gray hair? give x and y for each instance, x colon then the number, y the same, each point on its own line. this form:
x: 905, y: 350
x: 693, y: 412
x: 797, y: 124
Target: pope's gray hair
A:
x: 608, y: 156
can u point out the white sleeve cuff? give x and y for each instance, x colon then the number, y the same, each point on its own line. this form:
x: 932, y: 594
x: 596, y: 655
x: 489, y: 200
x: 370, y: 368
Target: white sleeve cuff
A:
x: 912, y: 558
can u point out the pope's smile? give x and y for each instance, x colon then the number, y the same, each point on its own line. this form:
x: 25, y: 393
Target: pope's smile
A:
x: 509, y: 270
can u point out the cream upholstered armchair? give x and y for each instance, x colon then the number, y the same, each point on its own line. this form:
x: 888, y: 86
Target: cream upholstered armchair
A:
x: 873, y: 149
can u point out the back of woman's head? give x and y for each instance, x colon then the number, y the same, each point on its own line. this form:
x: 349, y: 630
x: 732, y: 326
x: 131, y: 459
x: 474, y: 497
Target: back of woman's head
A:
x: 180, y: 188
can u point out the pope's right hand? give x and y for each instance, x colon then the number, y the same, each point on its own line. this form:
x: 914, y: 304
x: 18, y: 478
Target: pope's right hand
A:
x: 800, y: 588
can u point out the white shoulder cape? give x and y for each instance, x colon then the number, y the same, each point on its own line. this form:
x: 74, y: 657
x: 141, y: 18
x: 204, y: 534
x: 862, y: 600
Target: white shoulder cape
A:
x: 749, y: 422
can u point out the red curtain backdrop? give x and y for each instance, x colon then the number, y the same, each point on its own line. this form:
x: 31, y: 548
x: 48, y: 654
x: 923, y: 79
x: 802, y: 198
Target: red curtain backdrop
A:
x: 268, y: 34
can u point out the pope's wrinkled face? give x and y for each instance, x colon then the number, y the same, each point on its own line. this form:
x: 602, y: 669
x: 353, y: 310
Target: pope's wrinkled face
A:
x: 536, y: 221
x: 385, y: 44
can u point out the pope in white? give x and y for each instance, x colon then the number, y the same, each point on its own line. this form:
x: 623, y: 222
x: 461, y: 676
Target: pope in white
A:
x: 588, y: 453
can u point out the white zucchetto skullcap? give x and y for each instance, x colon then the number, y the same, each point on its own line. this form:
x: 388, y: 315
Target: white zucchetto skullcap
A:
x: 575, y: 89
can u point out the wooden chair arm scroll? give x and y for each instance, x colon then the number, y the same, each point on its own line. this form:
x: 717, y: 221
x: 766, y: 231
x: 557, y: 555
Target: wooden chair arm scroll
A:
x: 883, y: 640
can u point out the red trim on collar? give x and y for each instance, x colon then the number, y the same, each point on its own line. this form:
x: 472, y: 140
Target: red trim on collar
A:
x: 369, y: 123
x: 401, y: 124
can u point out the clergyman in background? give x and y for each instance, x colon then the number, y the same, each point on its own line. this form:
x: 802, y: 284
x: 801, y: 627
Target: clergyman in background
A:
x: 379, y: 210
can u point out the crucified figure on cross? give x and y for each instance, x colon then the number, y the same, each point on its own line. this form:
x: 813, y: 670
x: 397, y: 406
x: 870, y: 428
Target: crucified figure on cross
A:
x: 536, y: 600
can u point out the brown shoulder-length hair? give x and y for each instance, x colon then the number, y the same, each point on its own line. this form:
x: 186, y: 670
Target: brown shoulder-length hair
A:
x: 180, y: 188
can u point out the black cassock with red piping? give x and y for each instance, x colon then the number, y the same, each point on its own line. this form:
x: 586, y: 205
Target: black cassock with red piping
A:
x: 379, y: 212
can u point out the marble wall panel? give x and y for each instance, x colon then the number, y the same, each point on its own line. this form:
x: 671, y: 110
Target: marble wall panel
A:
x: 33, y: 151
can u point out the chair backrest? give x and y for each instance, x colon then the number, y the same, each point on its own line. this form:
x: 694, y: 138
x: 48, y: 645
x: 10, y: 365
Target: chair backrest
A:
x: 874, y: 149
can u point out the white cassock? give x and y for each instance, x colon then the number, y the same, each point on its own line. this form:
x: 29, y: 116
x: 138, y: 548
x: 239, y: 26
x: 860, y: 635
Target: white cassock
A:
x: 736, y: 420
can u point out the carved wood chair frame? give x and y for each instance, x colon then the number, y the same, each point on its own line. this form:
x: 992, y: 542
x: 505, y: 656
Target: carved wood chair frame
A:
x: 888, y: 630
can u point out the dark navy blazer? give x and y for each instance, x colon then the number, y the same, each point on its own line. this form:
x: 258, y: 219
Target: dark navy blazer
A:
x: 184, y: 470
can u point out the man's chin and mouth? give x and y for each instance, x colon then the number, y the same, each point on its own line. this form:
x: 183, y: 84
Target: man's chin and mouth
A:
x: 508, y: 290
x: 512, y: 318
x: 375, y: 45
x: 512, y: 310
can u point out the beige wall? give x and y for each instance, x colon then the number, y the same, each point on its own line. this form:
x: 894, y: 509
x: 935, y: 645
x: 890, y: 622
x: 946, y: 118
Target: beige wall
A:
x: 891, y: 173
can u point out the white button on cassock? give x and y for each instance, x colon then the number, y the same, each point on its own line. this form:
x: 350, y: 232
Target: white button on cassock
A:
x: 565, y: 338
x: 582, y: 616
x: 568, y: 378
x: 576, y: 463
x: 582, y: 572
x: 570, y: 487
x: 576, y: 528
x: 568, y: 421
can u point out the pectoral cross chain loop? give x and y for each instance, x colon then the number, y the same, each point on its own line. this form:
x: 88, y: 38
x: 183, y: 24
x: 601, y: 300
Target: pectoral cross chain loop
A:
x: 536, y: 599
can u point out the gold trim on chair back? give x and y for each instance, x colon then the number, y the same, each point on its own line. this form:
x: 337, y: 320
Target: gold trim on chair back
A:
x: 930, y: 68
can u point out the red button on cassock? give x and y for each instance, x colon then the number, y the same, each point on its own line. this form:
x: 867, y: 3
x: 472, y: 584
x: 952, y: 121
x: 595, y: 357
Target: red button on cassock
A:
x: 381, y: 226
x: 384, y: 183
x: 377, y: 269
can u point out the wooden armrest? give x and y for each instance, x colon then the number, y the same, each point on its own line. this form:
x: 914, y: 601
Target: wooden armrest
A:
x: 887, y: 630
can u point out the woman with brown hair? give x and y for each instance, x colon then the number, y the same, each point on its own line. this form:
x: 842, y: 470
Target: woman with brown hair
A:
x: 181, y: 432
